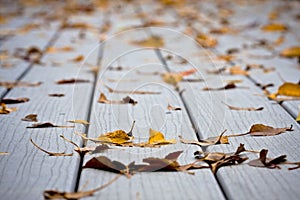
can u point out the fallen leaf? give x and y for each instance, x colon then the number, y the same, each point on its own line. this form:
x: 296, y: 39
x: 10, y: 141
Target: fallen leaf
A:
x: 10, y: 85
x: 5, y: 110
x: 227, y: 58
x: 206, y: 41
x: 239, y: 108
x: 70, y: 81
x: 298, y: 117
x: 47, y: 125
x: 78, y: 58
x: 30, y: 118
x: 291, y: 52
x: 14, y: 101
x: 32, y: 54
x: 237, y: 70
x: 216, y: 71
x: 50, y: 153
x: 56, y: 95
x: 3, y: 153
x: 169, y: 107
x: 263, y: 161
x: 126, y: 100
x: 287, y: 89
x: 153, y: 41
x: 174, y: 77
x: 221, y: 139
x: 274, y: 27
x: 59, y: 49
x: 79, y: 121
x: 128, y: 91
x: 54, y: 194
x: 157, y: 138
x: 273, y: 15
x: 226, y: 87
x: 279, y: 40
x: 263, y: 130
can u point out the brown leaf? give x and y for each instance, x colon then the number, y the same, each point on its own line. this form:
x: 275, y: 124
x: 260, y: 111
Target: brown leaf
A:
x: 30, y: 118
x: 126, y: 100
x: 79, y: 121
x: 10, y: 85
x: 174, y: 77
x: 291, y: 52
x: 169, y: 107
x: 5, y: 110
x: 131, y: 92
x: 239, y: 108
x: 78, y: 58
x: 14, y: 101
x: 72, y: 80
x: 274, y: 27
x: 47, y: 125
x: 237, y: 70
x: 153, y: 41
x: 54, y: 194
x: 263, y: 161
x: 56, y: 95
x: 221, y: 139
x: 226, y: 87
x: 50, y: 153
x: 263, y: 130
x: 32, y: 54
x: 206, y: 41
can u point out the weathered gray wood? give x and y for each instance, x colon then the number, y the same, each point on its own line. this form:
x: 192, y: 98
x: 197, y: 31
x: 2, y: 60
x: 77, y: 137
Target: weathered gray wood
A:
x: 26, y: 172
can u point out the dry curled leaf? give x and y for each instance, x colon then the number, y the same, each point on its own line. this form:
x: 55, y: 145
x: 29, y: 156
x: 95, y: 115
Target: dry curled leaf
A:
x: 47, y: 125
x: 206, y: 41
x: 264, y: 130
x: 226, y: 87
x: 131, y: 92
x: 10, y: 85
x: 54, y: 194
x: 50, y: 153
x: 30, y: 118
x: 263, y: 161
x: 126, y: 100
x: 169, y: 107
x: 32, y: 54
x: 5, y: 110
x: 56, y: 95
x: 157, y: 138
x: 240, y: 108
x: 153, y: 41
x: 78, y: 58
x: 59, y: 49
x: 14, y: 101
x: 79, y: 121
x: 274, y: 27
x: 221, y: 139
x: 72, y: 80
x: 291, y: 52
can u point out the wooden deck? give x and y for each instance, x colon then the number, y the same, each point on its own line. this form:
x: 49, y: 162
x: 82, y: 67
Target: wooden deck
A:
x: 102, y: 39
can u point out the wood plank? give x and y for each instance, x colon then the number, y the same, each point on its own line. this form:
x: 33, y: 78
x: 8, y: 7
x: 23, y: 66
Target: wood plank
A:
x: 150, y: 112
x: 26, y: 172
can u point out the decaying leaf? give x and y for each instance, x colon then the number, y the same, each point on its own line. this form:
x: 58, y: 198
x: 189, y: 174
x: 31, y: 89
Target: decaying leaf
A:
x: 79, y: 121
x: 50, y: 153
x: 54, y: 194
x: 218, y: 159
x: 274, y: 27
x: 72, y: 80
x: 169, y: 107
x: 157, y: 138
x: 47, y: 125
x: 175, y: 77
x: 131, y: 92
x: 5, y: 110
x: 59, y: 49
x: 56, y: 95
x: 206, y: 41
x: 291, y: 52
x: 263, y: 161
x: 239, y: 108
x: 287, y: 89
x: 30, y: 118
x: 264, y: 130
x: 126, y: 100
x: 14, y: 101
x: 10, y: 85
x: 77, y: 58
x: 226, y: 87
x: 221, y: 139
x: 153, y: 41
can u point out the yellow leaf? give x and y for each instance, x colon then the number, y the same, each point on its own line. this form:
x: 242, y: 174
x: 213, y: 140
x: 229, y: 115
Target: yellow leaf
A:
x: 298, y: 117
x: 5, y: 110
x: 172, y: 78
x: 274, y: 27
x: 157, y: 137
x: 291, y: 52
x: 115, y: 137
x: 206, y: 41
x: 154, y: 41
x: 279, y: 40
x: 287, y: 89
x: 78, y: 58
x: 79, y: 121
x: 237, y: 70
